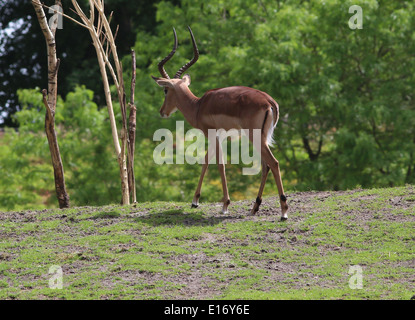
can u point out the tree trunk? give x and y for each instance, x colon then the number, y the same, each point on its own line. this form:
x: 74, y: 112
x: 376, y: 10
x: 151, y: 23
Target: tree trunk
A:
x: 63, y: 197
x: 49, y: 100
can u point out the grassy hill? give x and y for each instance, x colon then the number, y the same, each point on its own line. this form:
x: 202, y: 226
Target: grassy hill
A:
x: 168, y: 251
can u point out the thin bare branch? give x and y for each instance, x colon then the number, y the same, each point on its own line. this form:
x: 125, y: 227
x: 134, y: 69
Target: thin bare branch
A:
x: 132, y: 132
x: 116, y: 32
x: 58, y: 63
x: 62, y: 14
x: 133, y: 78
x: 102, y: 35
x: 110, y: 17
x: 81, y: 14
x: 45, y: 100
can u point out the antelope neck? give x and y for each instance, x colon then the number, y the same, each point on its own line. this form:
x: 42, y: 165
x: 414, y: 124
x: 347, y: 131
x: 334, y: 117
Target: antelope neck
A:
x: 188, y: 105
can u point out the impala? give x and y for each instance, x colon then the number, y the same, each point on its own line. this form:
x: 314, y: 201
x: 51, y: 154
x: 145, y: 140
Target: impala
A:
x: 226, y: 108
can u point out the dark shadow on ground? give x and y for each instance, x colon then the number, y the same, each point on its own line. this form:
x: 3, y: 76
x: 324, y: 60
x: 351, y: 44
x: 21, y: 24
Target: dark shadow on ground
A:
x: 176, y: 217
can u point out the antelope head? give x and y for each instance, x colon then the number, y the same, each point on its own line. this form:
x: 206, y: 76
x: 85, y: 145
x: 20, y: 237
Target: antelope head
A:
x: 173, y: 87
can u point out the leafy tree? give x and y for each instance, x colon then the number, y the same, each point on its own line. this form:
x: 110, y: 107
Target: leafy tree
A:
x: 84, y: 134
x: 346, y: 114
x: 23, y: 52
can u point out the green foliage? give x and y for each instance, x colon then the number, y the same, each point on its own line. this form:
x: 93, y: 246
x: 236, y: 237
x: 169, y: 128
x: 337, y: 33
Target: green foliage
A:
x: 23, y: 62
x: 84, y: 137
x: 346, y: 96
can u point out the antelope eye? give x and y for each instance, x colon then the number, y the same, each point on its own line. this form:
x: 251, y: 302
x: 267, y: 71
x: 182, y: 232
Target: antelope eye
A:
x: 165, y: 91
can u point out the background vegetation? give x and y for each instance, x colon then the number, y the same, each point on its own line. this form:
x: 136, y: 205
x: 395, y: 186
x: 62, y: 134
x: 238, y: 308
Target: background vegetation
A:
x: 346, y: 96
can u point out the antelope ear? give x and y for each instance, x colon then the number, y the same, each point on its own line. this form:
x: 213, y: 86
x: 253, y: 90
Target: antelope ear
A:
x: 163, y: 82
x: 186, y: 79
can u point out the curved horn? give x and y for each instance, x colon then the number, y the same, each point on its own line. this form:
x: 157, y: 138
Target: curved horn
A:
x: 168, y: 57
x: 191, y: 62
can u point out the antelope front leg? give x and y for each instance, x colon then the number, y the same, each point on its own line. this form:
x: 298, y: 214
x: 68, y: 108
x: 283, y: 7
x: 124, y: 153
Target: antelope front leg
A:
x: 195, y: 202
x: 208, y: 157
x: 221, y: 166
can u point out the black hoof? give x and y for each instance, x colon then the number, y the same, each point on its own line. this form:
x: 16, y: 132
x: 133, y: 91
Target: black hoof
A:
x: 194, y: 205
x: 283, y: 219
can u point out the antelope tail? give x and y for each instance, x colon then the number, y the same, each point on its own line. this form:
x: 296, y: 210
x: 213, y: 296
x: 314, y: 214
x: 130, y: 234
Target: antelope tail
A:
x: 275, y: 115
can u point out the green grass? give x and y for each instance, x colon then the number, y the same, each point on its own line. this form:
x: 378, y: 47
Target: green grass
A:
x: 169, y: 251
